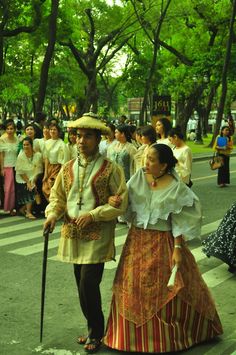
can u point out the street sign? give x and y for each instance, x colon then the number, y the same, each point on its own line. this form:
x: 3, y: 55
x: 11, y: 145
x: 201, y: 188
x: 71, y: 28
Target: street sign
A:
x: 161, y: 105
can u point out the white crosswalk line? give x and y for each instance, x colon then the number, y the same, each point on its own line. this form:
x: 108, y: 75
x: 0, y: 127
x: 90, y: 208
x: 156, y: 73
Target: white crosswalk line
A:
x: 8, y: 220
x: 20, y: 227
x: 224, y: 345
x: 210, y: 227
x: 36, y: 248
x: 23, y: 238
x: 217, y: 275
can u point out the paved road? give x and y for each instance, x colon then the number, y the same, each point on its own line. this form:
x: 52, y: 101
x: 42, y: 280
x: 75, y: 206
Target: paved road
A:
x: 20, y: 282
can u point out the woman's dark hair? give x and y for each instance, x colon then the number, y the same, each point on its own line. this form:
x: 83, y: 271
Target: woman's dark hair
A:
x: 176, y: 131
x: 132, y: 129
x: 9, y: 122
x: 167, y: 125
x: 150, y: 132
x: 124, y: 128
x: 221, y: 132
x: 112, y: 127
x: 138, y: 131
x: 28, y: 139
x: 30, y: 125
x: 165, y: 155
x: 57, y: 127
x: 46, y: 124
x: 72, y: 131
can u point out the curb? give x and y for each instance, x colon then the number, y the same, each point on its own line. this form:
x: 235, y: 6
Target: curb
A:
x: 208, y: 157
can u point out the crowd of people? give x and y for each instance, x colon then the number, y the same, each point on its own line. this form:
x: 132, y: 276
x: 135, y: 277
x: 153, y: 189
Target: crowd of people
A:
x: 142, y: 175
x: 27, y: 178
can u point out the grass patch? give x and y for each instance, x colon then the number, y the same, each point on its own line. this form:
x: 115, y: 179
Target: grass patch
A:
x: 201, y: 148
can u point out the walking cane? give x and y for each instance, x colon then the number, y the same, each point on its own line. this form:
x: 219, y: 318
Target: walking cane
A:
x: 44, y: 269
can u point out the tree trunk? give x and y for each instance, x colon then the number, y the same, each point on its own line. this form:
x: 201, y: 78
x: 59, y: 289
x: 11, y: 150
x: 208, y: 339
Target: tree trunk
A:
x: 48, y: 56
x: 91, y: 101
x: 224, y: 74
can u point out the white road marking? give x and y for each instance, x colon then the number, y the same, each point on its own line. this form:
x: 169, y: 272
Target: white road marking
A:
x: 217, y: 275
x: 36, y: 248
x: 210, y: 176
x: 19, y: 227
x: 22, y: 238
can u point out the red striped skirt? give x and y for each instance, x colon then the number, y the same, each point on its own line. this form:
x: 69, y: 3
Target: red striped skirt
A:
x: 177, y: 326
x: 147, y: 316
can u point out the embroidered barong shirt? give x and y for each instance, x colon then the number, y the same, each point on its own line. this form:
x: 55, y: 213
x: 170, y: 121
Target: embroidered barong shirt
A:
x: 94, y: 243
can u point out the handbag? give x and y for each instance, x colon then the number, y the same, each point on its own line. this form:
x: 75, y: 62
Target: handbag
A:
x: 216, y: 162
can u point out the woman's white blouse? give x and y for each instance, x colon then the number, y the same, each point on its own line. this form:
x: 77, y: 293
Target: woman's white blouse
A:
x: 175, y: 208
x: 10, y: 152
x: 184, y: 165
x: 31, y: 167
x: 56, y: 151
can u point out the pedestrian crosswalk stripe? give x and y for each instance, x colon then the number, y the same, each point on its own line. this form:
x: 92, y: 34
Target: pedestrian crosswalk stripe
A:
x: 36, y: 248
x: 210, y: 227
x: 225, y: 346
x: 20, y: 227
x: 25, y: 237
x: 216, y: 275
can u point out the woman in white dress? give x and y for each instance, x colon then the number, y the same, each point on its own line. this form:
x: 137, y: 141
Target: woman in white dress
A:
x: 39, y: 143
x: 29, y: 166
x: 56, y: 154
x: 8, y: 154
x: 183, y: 154
x: 72, y: 145
x: 109, y: 140
x: 163, y: 126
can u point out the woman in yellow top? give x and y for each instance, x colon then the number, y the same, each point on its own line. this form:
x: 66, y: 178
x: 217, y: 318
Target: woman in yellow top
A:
x: 223, y: 146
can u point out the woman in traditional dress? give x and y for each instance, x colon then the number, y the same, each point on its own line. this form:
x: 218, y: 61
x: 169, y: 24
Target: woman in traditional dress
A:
x: 29, y: 166
x: 163, y: 126
x: 72, y: 145
x: 56, y: 154
x: 150, y: 312
x: 149, y: 138
x: 39, y: 143
x: 183, y: 154
x: 109, y: 140
x: 123, y: 151
x: 222, y: 243
x: 8, y: 155
x: 29, y: 131
x: 223, y: 145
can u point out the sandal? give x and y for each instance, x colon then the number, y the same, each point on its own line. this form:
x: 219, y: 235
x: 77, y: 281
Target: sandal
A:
x: 82, y: 339
x: 22, y: 211
x: 12, y: 213
x: 30, y: 216
x: 92, y: 345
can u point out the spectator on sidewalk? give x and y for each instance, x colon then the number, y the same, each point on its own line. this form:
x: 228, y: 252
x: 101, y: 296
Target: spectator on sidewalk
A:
x: 223, y: 145
x: 29, y: 165
x: 123, y: 151
x: 183, y: 154
x: 8, y: 154
x: 55, y: 155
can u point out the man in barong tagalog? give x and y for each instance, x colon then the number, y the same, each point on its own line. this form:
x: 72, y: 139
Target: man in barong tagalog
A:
x: 80, y: 194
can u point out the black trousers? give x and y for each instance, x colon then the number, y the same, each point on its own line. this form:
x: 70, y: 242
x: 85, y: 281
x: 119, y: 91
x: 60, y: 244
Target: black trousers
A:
x: 88, y: 278
x: 223, y: 172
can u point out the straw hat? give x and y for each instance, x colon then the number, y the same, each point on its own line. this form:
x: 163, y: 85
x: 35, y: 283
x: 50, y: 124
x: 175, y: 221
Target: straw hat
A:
x: 90, y: 121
